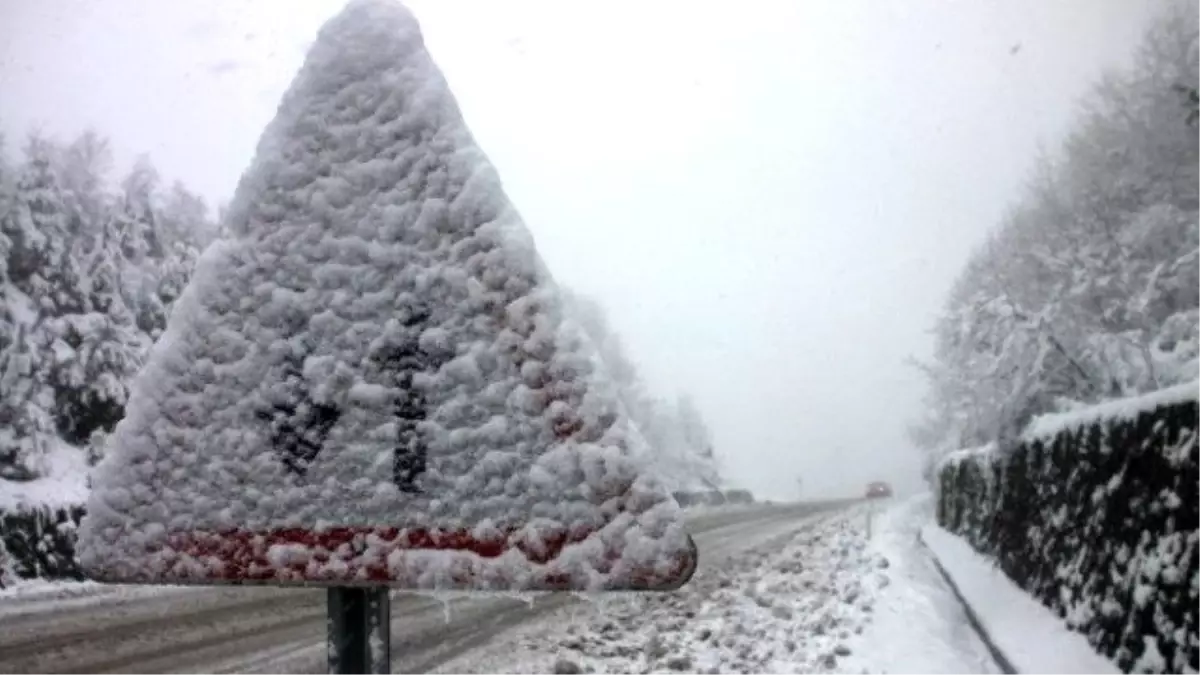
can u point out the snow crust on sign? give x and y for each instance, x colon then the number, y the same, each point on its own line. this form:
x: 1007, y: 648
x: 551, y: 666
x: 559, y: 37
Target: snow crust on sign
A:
x: 378, y: 294
x: 1123, y: 409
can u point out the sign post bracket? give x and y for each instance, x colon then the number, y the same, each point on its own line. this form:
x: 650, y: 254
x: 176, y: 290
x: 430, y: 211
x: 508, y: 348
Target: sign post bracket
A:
x: 359, y: 630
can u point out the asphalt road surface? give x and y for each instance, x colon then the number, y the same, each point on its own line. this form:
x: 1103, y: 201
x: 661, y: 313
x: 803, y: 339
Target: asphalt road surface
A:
x: 262, y: 629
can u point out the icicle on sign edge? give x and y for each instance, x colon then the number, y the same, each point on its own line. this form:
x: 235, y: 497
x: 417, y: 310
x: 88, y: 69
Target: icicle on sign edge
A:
x: 360, y: 555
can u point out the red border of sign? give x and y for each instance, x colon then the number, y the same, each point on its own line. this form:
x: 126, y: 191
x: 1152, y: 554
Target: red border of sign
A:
x: 244, y: 555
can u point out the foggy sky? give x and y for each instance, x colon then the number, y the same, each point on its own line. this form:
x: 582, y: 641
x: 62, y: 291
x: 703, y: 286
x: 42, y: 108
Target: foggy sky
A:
x: 771, y: 198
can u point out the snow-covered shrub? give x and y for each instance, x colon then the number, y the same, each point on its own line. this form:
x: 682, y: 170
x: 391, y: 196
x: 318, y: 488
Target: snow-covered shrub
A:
x: 39, y: 543
x: 1094, y: 512
x: 8, y: 571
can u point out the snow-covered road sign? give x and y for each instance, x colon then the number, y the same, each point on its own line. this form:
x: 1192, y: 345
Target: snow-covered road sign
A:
x: 371, y: 379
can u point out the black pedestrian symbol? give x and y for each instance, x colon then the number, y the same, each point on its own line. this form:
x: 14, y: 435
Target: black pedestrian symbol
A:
x: 300, y: 425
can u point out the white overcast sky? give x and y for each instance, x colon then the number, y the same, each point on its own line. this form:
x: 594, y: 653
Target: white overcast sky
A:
x: 770, y: 197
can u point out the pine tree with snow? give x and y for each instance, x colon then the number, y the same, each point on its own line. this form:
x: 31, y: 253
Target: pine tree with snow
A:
x: 8, y: 567
x: 140, y: 237
x: 27, y: 433
x: 183, y: 219
x: 36, y: 227
x: 679, y: 441
x: 91, y: 385
x: 7, y: 197
x: 78, y: 270
x: 82, y: 167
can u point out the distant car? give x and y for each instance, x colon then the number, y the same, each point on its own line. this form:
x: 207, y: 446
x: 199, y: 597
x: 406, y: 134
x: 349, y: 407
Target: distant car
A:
x: 739, y: 497
x: 684, y: 498
x: 878, y: 490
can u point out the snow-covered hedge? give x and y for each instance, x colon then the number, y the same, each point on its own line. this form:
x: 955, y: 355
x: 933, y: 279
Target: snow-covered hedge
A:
x: 38, y: 518
x: 1095, y: 514
x: 39, y: 543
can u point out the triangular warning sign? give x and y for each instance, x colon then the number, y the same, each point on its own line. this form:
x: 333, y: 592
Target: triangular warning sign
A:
x: 371, y: 381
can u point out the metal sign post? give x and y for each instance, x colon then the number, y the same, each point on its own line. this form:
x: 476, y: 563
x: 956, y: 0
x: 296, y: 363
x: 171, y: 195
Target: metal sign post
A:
x: 359, y: 630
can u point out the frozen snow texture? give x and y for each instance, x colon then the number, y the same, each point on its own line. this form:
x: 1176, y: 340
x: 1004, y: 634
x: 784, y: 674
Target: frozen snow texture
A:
x: 1032, y: 638
x: 377, y: 356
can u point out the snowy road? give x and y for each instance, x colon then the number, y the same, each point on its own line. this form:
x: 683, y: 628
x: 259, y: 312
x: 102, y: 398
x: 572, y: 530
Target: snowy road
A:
x: 282, y: 630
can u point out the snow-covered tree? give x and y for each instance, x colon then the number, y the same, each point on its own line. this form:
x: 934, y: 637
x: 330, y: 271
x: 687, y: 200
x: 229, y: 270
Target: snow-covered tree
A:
x: 184, y: 219
x: 139, y: 227
x: 594, y: 320
x: 8, y: 567
x: 7, y: 197
x: 698, y: 438
x: 83, y: 167
x: 102, y: 352
x: 88, y: 271
x: 27, y: 431
x: 680, y: 442
x: 1089, y: 288
x: 37, y: 229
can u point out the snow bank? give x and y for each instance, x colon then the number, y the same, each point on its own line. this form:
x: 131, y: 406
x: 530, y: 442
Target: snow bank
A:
x: 30, y: 591
x: 918, y: 625
x: 373, y: 381
x: 63, y: 485
x: 791, y: 601
x: 1032, y: 637
x: 821, y: 598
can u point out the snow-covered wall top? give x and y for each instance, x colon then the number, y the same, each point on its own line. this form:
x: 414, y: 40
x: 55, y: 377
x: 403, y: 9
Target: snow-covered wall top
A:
x: 966, y: 453
x: 373, y: 380
x: 1046, y: 426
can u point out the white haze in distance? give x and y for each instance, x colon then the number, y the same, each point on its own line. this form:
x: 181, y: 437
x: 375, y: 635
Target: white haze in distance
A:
x: 771, y: 198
